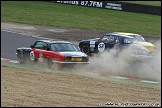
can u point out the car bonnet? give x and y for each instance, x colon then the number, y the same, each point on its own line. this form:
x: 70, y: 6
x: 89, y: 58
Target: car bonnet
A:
x: 145, y: 44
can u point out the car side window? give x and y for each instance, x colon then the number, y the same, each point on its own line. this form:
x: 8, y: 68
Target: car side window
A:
x: 40, y: 45
x: 45, y: 47
x: 117, y: 40
x: 109, y: 38
x: 128, y: 41
x: 106, y: 37
x: 112, y: 38
x: 139, y: 38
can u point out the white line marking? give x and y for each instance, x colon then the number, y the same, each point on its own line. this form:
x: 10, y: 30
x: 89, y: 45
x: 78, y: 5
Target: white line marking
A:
x: 149, y: 81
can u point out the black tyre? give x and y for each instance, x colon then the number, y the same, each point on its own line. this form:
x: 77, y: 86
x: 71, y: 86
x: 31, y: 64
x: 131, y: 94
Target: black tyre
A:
x: 48, y: 62
x: 86, y: 49
x: 20, y: 57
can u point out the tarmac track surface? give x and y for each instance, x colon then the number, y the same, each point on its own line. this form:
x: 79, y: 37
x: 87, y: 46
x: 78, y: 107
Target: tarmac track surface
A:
x: 11, y: 41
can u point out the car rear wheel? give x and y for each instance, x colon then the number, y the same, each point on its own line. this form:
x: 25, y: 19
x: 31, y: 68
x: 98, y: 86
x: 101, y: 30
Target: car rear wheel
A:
x: 86, y: 49
x: 48, y: 62
x: 20, y: 57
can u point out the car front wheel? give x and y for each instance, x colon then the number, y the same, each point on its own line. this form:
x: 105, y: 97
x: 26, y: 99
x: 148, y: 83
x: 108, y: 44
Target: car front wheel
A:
x: 86, y: 49
x: 48, y: 62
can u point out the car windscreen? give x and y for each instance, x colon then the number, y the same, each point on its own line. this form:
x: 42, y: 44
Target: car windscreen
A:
x: 139, y: 38
x: 63, y: 47
x: 130, y: 40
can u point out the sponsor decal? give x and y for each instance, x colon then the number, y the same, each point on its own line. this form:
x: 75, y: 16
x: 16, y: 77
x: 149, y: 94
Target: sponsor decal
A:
x: 40, y: 57
x: 92, y: 44
x: 114, y: 6
x: 101, y: 47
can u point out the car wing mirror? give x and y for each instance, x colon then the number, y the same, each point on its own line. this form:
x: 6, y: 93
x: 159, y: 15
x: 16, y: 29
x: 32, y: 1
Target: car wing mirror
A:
x: 31, y: 46
x: 97, y: 38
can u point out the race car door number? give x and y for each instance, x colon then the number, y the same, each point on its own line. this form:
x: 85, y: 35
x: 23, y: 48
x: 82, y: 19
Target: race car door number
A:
x: 101, y: 47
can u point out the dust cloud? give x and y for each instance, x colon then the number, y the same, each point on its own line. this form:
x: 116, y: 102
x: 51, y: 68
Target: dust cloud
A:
x: 105, y: 62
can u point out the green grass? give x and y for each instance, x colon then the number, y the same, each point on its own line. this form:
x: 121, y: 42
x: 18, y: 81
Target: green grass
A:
x: 151, y: 3
x: 62, y: 15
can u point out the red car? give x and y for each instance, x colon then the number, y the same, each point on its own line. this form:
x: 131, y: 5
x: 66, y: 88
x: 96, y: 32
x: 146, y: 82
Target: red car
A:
x: 52, y: 52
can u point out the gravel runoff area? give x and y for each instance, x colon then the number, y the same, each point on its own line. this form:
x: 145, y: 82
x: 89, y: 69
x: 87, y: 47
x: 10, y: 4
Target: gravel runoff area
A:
x: 23, y: 88
x: 67, y: 34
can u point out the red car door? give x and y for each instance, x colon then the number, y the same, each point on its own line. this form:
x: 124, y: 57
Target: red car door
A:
x: 38, y: 50
x: 38, y: 53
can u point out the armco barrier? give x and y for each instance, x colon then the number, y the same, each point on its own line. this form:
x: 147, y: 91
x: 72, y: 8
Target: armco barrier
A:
x: 114, y: 5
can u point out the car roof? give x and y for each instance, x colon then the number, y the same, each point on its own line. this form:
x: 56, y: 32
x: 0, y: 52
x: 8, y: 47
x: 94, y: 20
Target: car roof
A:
x: 126, y: 34
x: 53, y: 41
x: 120, y: 35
